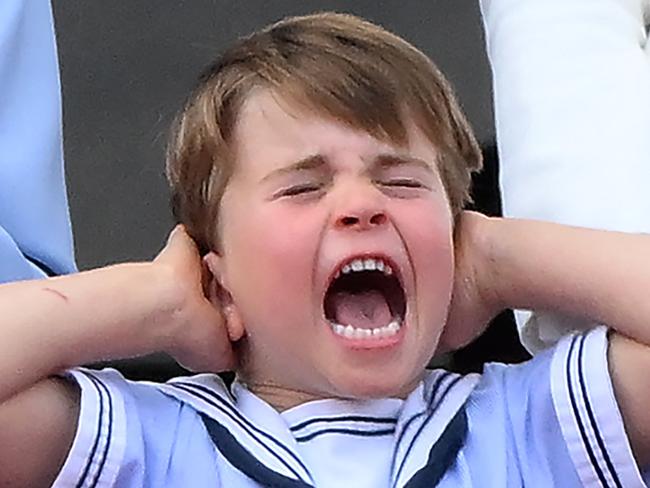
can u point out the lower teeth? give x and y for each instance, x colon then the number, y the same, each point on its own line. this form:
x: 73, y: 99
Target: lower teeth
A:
x: 350, y: 332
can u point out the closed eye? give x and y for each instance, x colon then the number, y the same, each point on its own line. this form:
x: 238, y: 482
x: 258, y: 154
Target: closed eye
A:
x: 403, y: 183
x: 298, y: 190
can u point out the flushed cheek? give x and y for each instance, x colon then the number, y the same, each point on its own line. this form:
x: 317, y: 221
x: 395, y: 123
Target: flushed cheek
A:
x: 434, y: 286
x: 289, y: 242
x: 277, y: 256
x: 430, y: 248
x: 432, y: 254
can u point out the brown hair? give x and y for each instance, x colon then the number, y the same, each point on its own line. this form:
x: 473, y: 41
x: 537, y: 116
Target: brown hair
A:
x: 338, y: 65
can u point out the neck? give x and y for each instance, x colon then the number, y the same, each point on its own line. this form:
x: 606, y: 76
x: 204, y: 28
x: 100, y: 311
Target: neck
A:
x: 280, y: 397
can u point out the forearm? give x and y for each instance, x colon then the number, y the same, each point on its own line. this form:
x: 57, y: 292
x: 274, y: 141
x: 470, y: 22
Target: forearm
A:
x: 598, y: 275
x: 49, y: 325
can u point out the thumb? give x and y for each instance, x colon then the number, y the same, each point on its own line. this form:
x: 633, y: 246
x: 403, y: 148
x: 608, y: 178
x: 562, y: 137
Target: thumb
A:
x: 179, y: 245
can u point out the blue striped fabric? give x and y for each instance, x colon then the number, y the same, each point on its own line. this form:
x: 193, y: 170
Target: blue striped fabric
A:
x: 552, y: 421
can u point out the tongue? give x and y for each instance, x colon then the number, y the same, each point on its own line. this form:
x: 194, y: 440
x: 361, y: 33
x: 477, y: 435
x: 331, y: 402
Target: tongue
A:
x: 366, y: 310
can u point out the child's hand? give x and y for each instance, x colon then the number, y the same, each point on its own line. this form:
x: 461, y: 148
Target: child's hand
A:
x: 473, y: 303
x: 201, y: 341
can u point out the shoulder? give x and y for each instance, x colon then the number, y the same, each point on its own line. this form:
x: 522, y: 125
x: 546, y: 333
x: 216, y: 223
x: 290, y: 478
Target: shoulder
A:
x: 135, y: 434
x: 555, y: 416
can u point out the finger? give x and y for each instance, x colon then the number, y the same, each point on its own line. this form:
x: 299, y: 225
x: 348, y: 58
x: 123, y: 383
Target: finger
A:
x: 209, y: 284
x: 211, y: 351
x: 179, y: 228
x: 180, y: 246
x: 208, y: 363
x: 169, y: 241
x: 180, y: 239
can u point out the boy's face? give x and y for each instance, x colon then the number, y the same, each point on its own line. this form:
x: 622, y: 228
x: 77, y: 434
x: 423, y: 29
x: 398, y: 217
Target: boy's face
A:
x: 308, y: 196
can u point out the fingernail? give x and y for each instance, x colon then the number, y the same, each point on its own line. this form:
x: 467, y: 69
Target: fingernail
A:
x: 172, y: 233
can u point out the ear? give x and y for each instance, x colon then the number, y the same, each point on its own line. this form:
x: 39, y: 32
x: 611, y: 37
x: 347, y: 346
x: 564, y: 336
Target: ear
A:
x: 219, y: 295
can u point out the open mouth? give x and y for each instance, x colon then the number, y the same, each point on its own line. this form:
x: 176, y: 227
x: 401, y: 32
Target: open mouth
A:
x: 365, y: 300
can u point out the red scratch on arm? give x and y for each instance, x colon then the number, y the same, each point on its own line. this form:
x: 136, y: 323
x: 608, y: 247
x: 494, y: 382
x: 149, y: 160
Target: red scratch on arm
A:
x: 57, y: 293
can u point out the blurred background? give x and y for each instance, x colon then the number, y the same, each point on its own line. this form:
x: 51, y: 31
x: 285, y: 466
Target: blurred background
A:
x: 126, y: 68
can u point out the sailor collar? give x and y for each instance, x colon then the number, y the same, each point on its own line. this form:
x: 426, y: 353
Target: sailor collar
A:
x: 430, y: 427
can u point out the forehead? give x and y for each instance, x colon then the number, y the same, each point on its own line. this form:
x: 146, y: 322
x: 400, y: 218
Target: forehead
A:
x: 272, y: 133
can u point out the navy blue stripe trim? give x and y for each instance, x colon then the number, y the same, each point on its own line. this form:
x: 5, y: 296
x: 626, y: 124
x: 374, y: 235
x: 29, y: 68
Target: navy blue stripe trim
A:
x: 243, y: 422
x: 592, y: 417
x: 576, y: 414
x: 354, y: 432
x: 104, y: 454
x: 443, y: 454
x: 93, y: 450
x: 41, y: 265
x: 244, y: 461
x: 347, y: 418
x: 429, y: 412
x: 209, y: 396
x: 434, y: 392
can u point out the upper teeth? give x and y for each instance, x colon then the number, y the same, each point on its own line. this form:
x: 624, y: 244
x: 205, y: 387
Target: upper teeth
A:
x: 367, y: 264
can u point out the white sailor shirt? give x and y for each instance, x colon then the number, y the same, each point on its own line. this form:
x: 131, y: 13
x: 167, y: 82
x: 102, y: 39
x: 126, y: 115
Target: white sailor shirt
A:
x: 552, y: 421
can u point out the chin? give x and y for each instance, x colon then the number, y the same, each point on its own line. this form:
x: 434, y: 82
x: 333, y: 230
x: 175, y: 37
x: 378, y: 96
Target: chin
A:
x: 366, y: 385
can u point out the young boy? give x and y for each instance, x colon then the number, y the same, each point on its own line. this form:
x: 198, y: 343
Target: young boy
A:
x: 321, y: 167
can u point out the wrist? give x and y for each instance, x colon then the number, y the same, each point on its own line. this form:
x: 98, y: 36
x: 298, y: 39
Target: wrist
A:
x: 133, y: 307
x: 168, y: 299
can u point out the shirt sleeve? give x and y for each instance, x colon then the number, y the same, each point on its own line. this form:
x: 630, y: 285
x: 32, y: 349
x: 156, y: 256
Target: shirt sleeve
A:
x: 562, y: 418
x: 14, y: 265
x: 588, y: 413
x: 35, y: 230
x: 131, y: 434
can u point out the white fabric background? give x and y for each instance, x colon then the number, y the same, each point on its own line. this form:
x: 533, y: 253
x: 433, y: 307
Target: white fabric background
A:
x: 572, y: 106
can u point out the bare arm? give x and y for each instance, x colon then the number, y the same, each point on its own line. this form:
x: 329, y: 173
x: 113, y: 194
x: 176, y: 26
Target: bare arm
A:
x: 50, y: 325
x: 116, y: 312
x: 37, y: 428
x: 598, y: 275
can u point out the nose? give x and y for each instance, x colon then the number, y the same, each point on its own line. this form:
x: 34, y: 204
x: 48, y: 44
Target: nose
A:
x: 361, y: 211
x: 361, y: 220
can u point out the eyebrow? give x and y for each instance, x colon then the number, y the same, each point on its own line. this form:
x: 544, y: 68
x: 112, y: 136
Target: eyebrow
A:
x: 309, y: 163
x: 382, y: 161
x: 387, y: 161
